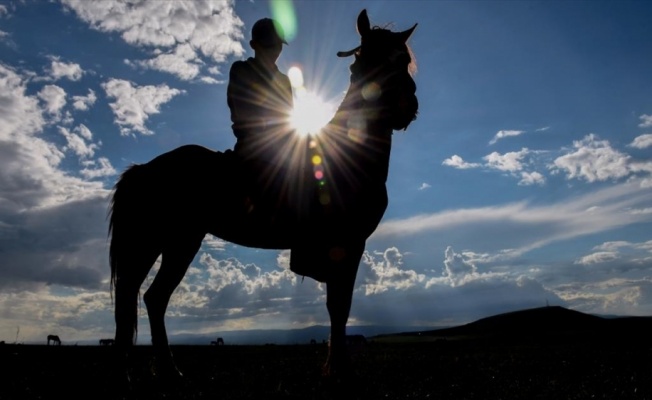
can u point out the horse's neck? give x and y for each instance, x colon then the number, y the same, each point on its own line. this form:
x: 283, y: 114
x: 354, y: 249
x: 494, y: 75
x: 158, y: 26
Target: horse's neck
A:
x: 368, y: 136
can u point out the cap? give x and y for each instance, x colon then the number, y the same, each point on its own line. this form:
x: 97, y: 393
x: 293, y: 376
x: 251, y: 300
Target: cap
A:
x: 267, y: 32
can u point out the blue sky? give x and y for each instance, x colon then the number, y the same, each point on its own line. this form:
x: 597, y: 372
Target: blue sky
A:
x: 525, y: 180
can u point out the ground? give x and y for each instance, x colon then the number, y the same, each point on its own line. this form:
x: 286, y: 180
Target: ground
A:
x: 437, y: 369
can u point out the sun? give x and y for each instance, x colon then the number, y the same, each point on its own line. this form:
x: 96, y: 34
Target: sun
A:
x: 310, y: 112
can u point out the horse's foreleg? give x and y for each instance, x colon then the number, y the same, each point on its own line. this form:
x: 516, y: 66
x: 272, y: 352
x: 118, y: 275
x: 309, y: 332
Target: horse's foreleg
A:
x: 339, y: 294
x: 174, y: 265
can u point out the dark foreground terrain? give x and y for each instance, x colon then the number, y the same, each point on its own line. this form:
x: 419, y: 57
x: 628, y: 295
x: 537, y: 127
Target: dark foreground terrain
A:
x: 414, y: 368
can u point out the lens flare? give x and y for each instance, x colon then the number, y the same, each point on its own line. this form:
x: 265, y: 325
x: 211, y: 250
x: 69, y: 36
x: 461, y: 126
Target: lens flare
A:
x: 283, y: 12
x: 310, y: 112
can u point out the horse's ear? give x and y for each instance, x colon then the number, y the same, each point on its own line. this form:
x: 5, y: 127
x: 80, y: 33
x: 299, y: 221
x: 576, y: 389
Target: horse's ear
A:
x: 405, y: 35
x: 363, y: 23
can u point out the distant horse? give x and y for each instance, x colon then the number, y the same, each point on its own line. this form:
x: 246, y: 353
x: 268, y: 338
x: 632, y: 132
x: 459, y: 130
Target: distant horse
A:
x: 107, y: 342
x: 336, y: 196
x: 54, y: 339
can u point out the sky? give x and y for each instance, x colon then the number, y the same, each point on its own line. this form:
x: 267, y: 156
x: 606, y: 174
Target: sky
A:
x: 525, y: 181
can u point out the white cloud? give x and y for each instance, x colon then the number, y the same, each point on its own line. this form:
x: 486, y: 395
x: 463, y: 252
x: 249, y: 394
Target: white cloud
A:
x: 60, y: 69
x: 388, y: 273
x: 76, y: 141
x: 456, y: 268
x: 54, y: 98
x: 83, y: 103
x: 134, y: 104
x: 529, y: 226
x: 209, y: 29
x: 543, y: 129
x: 3, y: 10
x: 646, y: 121
x: 29, y: 173
x: 98, y: 169
x: 593, y: 160
x: 457, y: 162
x: 642, y: 142
x: 424, y: 186
x: 505, y: 133
x: 214, y: 243
x: 509, y: 162
x: 531, y: 178
x: 182, y: 62
x: 612, y: 246
x: 209, y: 80
x: 598, y: 257
x: 614, y: 296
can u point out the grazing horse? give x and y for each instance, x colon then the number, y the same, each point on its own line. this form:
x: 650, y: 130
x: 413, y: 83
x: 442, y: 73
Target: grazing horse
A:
x: 332, y: 199
x: 54, y: 339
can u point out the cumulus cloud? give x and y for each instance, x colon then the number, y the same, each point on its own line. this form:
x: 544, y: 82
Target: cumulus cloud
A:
x: 504, y: 134
x: 593, y: 160
x: 508, y: 162
x: 642, y: 142
x: 99, y: 168
x: 387, y: 273
x: 181, y: 61
x: 614, y: 296
x: 134, y: 104
x: 52, y: 223
x: 54, y: 99
x: 531, y: 178
x: 60, y: 69
x: 424, y: 186
x: 76, y: 141
x: 456, y: 268
x: 646, y: 121
x: 457, y: 162
x: 83, y: 103
x: 187, y: 33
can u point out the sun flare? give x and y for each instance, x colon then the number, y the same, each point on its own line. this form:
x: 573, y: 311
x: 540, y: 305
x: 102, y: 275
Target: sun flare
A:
x: 310, y: 112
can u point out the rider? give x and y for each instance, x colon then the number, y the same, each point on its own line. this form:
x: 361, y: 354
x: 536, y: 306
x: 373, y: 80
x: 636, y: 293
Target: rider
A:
x: 260, y: 99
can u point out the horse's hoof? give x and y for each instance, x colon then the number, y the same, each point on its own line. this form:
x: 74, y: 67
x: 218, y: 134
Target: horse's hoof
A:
x: 166, y: 371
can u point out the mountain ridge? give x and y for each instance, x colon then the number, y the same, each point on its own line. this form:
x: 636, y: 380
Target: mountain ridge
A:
x: 545, y: 321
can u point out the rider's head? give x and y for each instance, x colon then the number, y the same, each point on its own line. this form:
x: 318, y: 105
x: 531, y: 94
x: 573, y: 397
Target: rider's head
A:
x: 267, y: 39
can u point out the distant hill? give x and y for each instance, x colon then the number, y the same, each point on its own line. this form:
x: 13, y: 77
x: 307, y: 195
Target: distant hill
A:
x: 284, y: 336
x: 545, y: 321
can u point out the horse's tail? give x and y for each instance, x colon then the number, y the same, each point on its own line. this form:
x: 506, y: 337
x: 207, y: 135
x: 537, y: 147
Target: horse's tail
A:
x: 116, y: 216
x: 125, y: 211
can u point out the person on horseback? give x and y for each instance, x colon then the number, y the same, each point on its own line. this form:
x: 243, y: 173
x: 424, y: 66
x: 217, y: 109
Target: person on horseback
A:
x: 259, y: 97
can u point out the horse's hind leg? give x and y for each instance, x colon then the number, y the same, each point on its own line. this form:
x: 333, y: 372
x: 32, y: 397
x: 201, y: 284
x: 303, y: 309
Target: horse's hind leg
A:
x: 176, y: 260
x: 129, y: 278
x: 132, y: 266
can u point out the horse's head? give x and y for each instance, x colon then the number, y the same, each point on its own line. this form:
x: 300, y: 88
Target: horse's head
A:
x: 381, y: 73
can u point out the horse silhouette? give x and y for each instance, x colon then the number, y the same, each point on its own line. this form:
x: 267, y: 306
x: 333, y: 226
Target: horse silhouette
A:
x: 332, y: 199
x: 54, y: 339
x: 107, y: 342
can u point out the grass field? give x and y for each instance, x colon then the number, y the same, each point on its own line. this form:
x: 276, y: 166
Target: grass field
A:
x: 443, y: 369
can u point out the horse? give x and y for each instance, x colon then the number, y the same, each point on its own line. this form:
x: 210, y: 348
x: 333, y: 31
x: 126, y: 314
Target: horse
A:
x: 334, y: 197
x: 54, y: 339
x: 107, y: 342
